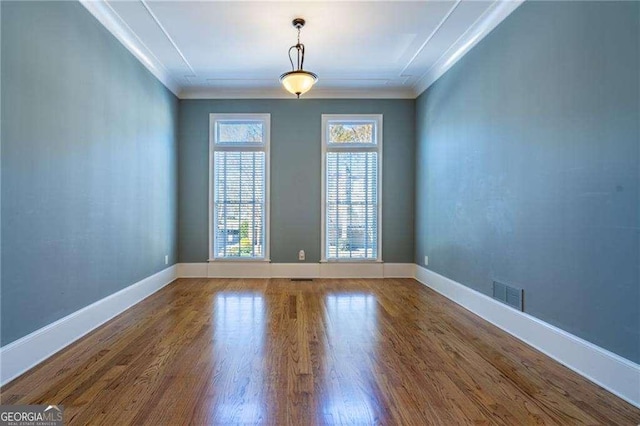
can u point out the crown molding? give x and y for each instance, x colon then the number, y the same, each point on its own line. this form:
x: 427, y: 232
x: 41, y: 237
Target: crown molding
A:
x: 495, y: 14
x: 424, y: 44
x: 167, y: 35
x: 101, y: 10
x: 280, y: 93
x: 490, y: 19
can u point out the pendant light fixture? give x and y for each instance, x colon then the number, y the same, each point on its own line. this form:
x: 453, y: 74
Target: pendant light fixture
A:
x: 298, y: 81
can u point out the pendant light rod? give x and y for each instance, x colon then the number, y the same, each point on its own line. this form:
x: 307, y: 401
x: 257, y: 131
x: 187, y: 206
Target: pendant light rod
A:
x: 297, y: 23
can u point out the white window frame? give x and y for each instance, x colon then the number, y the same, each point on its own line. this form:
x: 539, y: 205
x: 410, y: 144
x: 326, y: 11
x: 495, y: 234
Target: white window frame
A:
x: 257, y: 147
x: 350, y: 147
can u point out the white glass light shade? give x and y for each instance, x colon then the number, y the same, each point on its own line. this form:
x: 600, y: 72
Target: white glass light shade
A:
x: 298, y: 82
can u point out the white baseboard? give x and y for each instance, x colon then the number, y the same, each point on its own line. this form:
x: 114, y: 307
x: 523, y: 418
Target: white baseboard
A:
x: 30, y: 350
x: 351, y: 270
x: 399, y: 270
x: 295, y: 270
x: 613, y: 372
x: 191, y: 270
x: 238, y: 269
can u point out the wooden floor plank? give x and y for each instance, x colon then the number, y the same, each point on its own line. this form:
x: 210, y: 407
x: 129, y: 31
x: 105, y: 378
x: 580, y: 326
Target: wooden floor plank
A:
x: 252, y: 351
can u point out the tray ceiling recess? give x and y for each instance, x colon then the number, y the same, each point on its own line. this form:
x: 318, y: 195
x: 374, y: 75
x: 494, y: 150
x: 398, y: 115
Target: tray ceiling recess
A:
x: 234, y: 49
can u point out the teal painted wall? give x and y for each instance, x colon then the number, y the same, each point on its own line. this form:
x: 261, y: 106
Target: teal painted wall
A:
x: 296, y: 172
x: 528, y: 154
x: 89, y: 165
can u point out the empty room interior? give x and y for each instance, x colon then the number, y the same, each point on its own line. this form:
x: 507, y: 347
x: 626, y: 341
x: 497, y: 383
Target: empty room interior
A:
x: 320, y: 213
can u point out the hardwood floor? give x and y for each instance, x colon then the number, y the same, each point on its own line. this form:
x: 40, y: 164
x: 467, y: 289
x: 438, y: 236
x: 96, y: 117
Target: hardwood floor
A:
x: 321, y: 352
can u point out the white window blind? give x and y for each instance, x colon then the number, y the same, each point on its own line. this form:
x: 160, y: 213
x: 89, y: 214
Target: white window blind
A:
x: 239, y: 186
x: 352, y: 149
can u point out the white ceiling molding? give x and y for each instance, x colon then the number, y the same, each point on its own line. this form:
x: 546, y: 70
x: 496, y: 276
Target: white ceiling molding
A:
x: 280, y: 93
x: 442, y: 46
x: 166, y: 33
x: 428, y: 39
x: 497, y: 13
x: 112, y: 22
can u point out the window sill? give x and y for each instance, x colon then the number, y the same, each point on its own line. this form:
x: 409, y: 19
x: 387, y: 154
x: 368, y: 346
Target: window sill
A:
x: 351, y: 261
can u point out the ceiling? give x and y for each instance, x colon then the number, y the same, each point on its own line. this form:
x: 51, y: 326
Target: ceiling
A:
x: 238, y: 49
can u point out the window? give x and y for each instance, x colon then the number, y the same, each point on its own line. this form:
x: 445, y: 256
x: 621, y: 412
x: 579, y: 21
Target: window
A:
x: 239, y: 186
x: 351, y: 176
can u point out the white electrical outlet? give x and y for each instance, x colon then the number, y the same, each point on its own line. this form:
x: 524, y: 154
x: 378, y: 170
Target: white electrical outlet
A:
x: 426, y: 261
x: 166, y: 259
x: 301, y: 255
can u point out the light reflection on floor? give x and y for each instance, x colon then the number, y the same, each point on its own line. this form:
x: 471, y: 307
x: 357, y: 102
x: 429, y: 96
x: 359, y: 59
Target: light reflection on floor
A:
x: 239, y: 330
x: 345, y: 391
x: 240, y: 315
x: 351, y: 333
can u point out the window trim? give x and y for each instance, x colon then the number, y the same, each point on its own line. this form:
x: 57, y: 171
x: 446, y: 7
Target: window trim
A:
x: 264, y: 147
x: 355, y: 147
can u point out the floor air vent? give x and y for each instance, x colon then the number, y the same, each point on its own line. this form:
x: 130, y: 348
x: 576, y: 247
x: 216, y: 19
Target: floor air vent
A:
x: 511, y: 296
x: 301, y: 279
